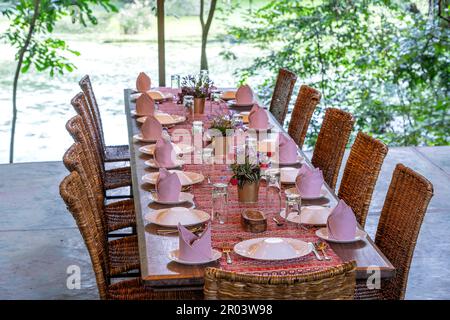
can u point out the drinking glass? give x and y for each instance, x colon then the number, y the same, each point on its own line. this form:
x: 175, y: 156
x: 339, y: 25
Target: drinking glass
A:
x: 264, y: 164
x: 208, y: 161
x: 215, y: 99
x: 197, y: 127
x: 215, y: 96
x: 293, y: 205
x: 175, y: 81
x: 237, y: 120
x: 188, y: 102
x: 208, y: 156
x: 197, y: 134
x: 220, y: 199
x: 252, y: 149
x: 273, y: 194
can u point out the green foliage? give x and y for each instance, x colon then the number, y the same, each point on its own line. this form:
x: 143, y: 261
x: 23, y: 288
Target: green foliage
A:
x: 384, y: 61
x: 136, y: 15
x: 44, y: 52
x: 247, y: 172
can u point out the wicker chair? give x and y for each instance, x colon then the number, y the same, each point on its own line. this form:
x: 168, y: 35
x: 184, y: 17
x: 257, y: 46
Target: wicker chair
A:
x: 117, y: 215
x: 111, y: 153
x: 333, y: 283
x: 330, y: 146
x: 401, y: 218
x: 307, y: 100
x: 75, y: 196
x: 361, y: 173
x: 282, y: 94
x: 113, y: 178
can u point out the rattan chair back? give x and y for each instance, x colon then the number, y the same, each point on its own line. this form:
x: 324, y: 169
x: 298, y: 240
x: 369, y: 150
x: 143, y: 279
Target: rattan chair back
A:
x: 307, y: 100
x: 331, y: 142
x: 282, y: 94
x: 361, y: 173
x: 401, y: 218
x: 333, y: 283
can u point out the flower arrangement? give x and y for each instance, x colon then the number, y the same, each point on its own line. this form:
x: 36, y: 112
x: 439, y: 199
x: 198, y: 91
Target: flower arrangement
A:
x: 247, y: 172
x: 222, y: 123
x: 197, y: 86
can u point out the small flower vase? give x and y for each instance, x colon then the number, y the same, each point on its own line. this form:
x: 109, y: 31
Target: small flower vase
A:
x: 199, y: 105
x: 248, y: 193
x: 220, y: 145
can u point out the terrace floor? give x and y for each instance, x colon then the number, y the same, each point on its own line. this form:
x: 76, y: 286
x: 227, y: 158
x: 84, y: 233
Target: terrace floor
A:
x: 39, y: 239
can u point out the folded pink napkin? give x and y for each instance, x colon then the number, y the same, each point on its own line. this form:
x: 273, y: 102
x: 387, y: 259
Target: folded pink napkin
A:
x: 244, y: 95
x: 143, y: 82
x: 309, y: 181
x: 145, y: 105
x: 193, y: 247
x: 258, y: 118
x: 287, y: 149
x: 164, y: 153
x: 168, y: 186
x: 341, y: 223
x: 151, y: 129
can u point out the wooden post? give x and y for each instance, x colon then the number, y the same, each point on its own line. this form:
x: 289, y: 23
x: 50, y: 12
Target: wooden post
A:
x: 161, y: 43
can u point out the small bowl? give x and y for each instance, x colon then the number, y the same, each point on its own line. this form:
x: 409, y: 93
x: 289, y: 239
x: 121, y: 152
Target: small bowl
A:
x: 273, y: 248
x: 254, y: 221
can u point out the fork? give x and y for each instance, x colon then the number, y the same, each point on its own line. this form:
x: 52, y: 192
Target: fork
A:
x: 313, y: 248
x: 322, y: 246
x: 227, y: 249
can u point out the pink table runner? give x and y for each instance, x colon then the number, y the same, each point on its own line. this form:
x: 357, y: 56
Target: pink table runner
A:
x: 231, y: 232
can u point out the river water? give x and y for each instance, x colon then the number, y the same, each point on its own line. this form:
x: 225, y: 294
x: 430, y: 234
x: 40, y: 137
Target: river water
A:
x: 44, y: 102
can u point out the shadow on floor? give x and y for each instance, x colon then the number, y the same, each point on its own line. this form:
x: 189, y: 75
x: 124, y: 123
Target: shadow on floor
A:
x: 39, y: 239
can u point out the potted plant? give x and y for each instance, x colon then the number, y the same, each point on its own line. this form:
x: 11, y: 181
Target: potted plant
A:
x: 199, y: 87
x: 218, y: 128
x: 246, y: 176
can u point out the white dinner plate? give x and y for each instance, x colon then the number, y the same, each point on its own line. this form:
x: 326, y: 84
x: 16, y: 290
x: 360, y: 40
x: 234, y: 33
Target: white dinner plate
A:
x: 246, y: 249
x: 233, y: 103
x: 159, y: 96
x: 174, y: 256
x: 310, y: 215
x: 228, y: 95
x: 139, y: 137
x: 247, y: 128
x: 284, y: 178
x: 165, y: 121
x: 152, y: 164
x: 155, y: 95
x: 323, y: 234
x: 184, y: 197
x: 298, y: 161
x: 179, y: 148
x: 187, y: 178
x: 189, y: 217
x: 293, y: 190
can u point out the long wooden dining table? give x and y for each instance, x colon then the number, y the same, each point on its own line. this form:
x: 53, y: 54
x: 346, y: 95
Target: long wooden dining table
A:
x: 160, y: 273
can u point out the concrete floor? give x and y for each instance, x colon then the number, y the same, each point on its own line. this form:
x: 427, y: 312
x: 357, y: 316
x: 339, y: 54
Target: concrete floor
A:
x: 39, y: 239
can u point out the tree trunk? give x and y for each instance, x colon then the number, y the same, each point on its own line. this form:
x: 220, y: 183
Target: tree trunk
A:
x: 205, y: 30
x: 22, y: 52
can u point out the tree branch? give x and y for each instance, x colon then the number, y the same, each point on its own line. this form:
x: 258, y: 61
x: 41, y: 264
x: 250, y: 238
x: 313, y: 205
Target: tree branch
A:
x: 202, y: 9
x: 22, y: 52
x: 212, y: 9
